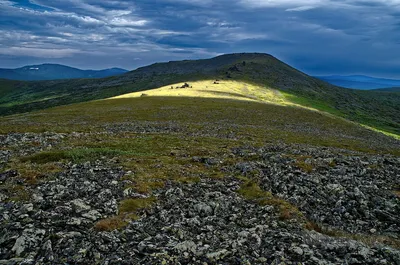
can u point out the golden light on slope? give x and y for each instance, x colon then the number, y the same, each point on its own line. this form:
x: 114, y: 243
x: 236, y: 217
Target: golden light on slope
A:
x: 229, y: 89
x: 215, y: 89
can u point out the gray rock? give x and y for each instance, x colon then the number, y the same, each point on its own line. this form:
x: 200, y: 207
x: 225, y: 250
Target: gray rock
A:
x: 218, y: 255
x: 186, y: 246
x: 203, y: 209
x: 80, y: 206
x: 298, y: 251
x: 19, y: 246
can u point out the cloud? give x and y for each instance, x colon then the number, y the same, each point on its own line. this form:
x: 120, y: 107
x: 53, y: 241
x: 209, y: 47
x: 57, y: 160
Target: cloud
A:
x: 300, y: 8
x: 317, y: 36
x: 38, y: 52
x: 123, y: 22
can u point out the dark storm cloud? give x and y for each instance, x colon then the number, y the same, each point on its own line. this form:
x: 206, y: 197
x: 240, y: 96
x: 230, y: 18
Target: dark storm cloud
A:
x: 317, y: 36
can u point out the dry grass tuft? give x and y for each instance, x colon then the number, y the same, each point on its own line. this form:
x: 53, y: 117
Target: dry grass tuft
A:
x: 369, y: 240
x: 128, y: 211
x: 129, y: 206
x: 110, y: 224
x: 251, y: 191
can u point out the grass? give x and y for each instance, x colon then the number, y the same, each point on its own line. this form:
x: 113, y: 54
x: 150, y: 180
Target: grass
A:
x: 18, y: 188
x: 18, y: 192
x: 128, y: 211
x: 74, y: 155
x: 129, y: 206
x: 223, y: 89
x: 251, y: 191
x: 203, y: 127
x: 32, y: 173
x: 156, y: 137
x: 243, y: 120
x: 146, y: 185
x: 262, y: 78
x: 110, y: 224
x: 397, y: 191
x: 370, y: 240
x: 306, y: 167
x: 383, y: 120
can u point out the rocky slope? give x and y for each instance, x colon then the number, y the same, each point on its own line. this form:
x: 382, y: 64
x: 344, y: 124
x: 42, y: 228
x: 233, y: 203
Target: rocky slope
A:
x: 348, y: 209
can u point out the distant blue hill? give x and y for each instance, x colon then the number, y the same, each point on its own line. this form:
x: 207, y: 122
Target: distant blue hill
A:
x: 55, y: 71
x: 360, y: 81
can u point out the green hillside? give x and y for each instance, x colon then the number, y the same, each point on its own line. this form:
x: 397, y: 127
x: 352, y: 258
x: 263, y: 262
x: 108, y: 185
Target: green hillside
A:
x: 378, y: 109
x: 147, y: 175
x: 234, y: 120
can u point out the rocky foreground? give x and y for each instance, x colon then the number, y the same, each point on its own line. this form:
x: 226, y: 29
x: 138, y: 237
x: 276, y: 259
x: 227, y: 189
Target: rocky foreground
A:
x: 348, y: 205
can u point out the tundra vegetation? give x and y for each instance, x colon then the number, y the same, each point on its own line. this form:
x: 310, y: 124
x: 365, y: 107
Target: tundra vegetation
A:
x: 198, y: 171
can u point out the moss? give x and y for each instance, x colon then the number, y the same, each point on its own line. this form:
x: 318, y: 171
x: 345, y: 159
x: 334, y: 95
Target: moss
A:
x: 129, y: 206
x: 110, y: 224
x: 128, y: 211
x: 238, y: 120
x: 187, y: 180
x: 370, y: 240
x: 153, y: 171
x: 146, y: 186
x: 32, y: 173
x: 19, y: 192
x: 251, y: 191
x: 302, y: 162
x: 306, y: 167
x: 46, y: 157
x: 397, y: 191
x: 75, y: 155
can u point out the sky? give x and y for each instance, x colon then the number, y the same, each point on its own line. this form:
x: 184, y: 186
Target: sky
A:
x: 319, y: 37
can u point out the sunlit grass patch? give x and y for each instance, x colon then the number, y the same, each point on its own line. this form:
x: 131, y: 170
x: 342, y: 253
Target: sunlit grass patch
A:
x: 393, y: 135
x: 222, y: 89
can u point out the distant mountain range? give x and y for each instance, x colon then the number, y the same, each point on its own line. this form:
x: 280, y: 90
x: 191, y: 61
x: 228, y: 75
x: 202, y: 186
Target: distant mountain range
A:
x: 360, y: 81
x: 55, y: 71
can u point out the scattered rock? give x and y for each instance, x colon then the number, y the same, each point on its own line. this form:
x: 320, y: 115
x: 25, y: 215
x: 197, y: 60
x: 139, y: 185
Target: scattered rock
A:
x: 206, y: 222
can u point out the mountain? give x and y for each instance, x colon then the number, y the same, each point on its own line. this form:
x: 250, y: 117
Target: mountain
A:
x: 372, y: 108
x: 389, y: 89
x: 360, y: 81
x: 230, y: 160
x: 55, y: 71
